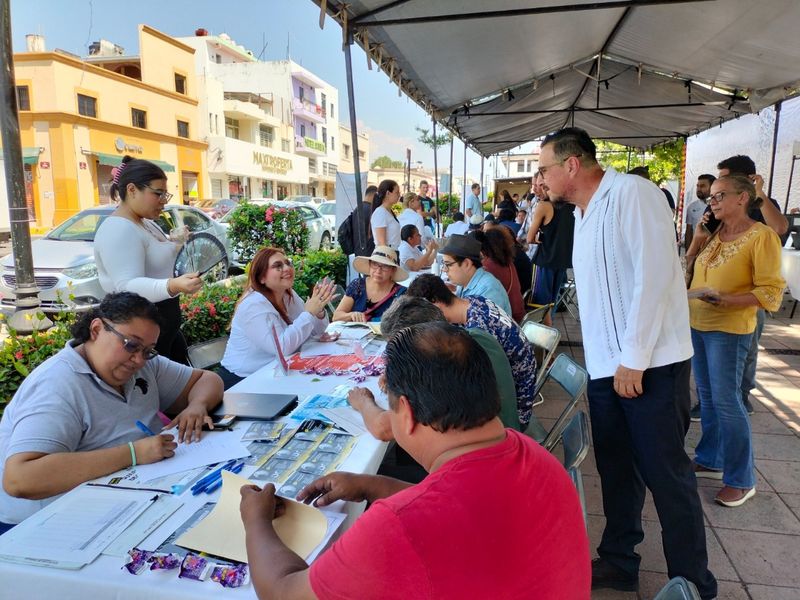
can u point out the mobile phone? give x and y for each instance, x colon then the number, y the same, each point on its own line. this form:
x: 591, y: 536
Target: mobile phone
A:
x: 221, y: 422
x: 713, y: 222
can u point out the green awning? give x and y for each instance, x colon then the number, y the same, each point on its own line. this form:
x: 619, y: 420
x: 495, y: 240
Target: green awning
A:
x: 30, y: 156
x: 113, y: 160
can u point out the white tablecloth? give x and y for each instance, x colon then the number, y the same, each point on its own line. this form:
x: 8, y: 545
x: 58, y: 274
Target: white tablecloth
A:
x: 790, y: 269
x: 105, y: 578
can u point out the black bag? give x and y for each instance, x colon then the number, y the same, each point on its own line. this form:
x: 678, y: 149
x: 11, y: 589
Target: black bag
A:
x: 346, y: 236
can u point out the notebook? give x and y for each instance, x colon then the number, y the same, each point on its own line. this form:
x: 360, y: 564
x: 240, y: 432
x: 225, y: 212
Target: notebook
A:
x: 256, y: 406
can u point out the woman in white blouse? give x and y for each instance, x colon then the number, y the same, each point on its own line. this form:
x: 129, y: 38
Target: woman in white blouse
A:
x: 134, y: 255
x: 268, y: 309
x: 385, y: 226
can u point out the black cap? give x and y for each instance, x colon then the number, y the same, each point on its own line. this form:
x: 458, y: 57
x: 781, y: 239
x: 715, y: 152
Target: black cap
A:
x: 462, y: 246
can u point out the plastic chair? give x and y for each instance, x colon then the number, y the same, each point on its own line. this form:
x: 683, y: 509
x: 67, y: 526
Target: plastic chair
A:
x: 575, y: 443
x: 208, y: 354
x: 678, y: 588
x: 573, y: 379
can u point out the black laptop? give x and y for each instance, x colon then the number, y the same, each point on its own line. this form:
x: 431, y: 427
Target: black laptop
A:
x: 262, y: 407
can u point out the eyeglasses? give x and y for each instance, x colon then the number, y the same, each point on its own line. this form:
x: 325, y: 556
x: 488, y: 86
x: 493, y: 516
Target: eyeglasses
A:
x: 544, y: 169
x: 280, y: 265
x: 132, y: 346
x: 162, y: 194
x: 379, y: 266
x: 446, y: 264
x: 718, y: 197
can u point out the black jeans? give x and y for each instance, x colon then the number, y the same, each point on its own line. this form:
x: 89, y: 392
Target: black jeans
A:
x: 638, y: 442
x: 171, y: 342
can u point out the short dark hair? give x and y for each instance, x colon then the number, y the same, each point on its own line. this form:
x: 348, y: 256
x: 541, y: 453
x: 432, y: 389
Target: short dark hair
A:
x: 406, y: 311
x: 423, y: 182
x: 738, y: 165
x: 371, y: 189
x: 708, y: 177
x: 444, y: 374
x: 136, y: 171
x: 407, y: 232
x: 431, y: 288
x: 117, y: 308
x: 572, y: 141
x: 475, y: 186
x: 458, y: 216
x: 506, y: 214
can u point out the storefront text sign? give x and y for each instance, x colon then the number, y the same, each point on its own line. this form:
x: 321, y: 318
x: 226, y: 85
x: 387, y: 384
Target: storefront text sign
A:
x: 122, y: 146
x: 272, y: 164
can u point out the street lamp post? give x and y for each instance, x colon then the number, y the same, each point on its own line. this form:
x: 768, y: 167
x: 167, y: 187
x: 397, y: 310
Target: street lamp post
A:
x: 27, y: 316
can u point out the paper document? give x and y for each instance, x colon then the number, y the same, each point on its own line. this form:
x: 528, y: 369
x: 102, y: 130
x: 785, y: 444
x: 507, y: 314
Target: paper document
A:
x: 212, y: 448
x: 143, y: 526
x: 74, y: 529
x: 351, y: 331
x: 338, y: 348
x: 346, y: 418
x: 302, y: 528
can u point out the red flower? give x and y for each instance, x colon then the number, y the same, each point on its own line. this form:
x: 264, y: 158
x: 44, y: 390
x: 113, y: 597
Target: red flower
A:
x: 184, y: 306
x: 19, y: 355
x: 212, y: 310
x: 226, y: 299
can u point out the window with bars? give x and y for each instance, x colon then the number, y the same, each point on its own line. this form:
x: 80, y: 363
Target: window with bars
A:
x: 139, y: 118
x: 87, y: 106
x: 183, y: 129
x: 232, y: 128
x: 266, y: 135
x: 286, y: 145
x: 23, y: 97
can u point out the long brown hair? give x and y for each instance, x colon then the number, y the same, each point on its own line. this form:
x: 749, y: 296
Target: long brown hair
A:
x: 258, y: 267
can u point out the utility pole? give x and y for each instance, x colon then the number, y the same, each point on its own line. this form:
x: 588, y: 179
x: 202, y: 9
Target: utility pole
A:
x: 27, y: 316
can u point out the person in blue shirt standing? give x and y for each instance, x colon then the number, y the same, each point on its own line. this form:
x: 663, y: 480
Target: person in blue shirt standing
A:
x: 473, y: 205
x: 462, y: 263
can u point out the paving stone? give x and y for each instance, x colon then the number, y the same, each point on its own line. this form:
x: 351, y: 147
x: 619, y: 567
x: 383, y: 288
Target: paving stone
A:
x: 782, y: 475
x: 776, y: 447
x: 770, y: 592
x: 765, y: 422
x: 763, y: 558
x: 764, y: 512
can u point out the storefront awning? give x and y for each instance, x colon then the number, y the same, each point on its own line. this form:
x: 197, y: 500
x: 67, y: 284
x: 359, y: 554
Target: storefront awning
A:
x: 30, y: 156
x: 114, y: 160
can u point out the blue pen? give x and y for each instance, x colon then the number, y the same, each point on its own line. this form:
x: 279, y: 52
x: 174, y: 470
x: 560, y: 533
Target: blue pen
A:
x: 198, y: 487
x: 213, y: 486
x: 144, y: 428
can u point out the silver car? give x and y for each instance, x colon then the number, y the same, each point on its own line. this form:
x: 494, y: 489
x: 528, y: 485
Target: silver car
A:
x: 328, y: 210
x: 63, y: 260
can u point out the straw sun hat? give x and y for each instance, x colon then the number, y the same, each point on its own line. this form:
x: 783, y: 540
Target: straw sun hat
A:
x: 384, y: 255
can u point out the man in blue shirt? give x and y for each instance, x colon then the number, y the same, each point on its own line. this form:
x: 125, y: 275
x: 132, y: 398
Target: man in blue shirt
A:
x: 473, y: 204
x: 462, y: 263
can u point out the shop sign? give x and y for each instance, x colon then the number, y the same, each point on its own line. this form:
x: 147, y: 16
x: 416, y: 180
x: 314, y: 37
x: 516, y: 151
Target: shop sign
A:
x: 272, y: 164
x: 122, y: 146
x: 44, y: 165
x: 82, y: 165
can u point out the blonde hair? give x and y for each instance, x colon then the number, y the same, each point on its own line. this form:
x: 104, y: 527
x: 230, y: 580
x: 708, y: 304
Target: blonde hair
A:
x: 408, y: 197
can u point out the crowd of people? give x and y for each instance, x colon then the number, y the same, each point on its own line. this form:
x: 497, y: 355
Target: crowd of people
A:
x: 460, y: 377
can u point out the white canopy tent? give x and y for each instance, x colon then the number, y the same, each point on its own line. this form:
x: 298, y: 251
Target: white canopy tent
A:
x: 637, y: 72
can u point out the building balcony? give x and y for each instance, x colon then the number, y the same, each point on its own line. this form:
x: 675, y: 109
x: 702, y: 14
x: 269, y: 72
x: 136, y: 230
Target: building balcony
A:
x: 308, y: 110
x: 306, y: 146
x: 244, y: 110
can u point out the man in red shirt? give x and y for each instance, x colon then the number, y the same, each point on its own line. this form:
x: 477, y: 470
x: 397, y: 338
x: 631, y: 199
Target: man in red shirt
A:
x: 497, y: 517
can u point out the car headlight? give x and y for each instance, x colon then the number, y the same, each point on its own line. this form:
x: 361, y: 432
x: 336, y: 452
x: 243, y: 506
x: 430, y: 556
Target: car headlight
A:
x: 86, y: 271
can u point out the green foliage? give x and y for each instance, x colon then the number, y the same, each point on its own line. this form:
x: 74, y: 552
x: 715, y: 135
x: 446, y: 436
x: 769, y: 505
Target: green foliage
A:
x: 316, y: 265
x: 207, y: 314
x: 455, y: 203
x: 426, y: 138
x: 664, y: 161
x: 252, y: 227
x: 384, y: 162
x: 21, y: 354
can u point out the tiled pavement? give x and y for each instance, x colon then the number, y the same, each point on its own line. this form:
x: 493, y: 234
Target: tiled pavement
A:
x: 754, y: 550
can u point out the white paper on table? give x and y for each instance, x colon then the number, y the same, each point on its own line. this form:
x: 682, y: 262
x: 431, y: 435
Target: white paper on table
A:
x: 335, y: 521
x: 351, y: 331
x: 213, y: 447
x: 74, y: 529
x: 143, y: 526
x: 345, y: 418
x: 339, y: 348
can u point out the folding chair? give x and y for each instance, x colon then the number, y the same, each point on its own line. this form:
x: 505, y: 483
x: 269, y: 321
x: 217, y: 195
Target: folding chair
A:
x: 568, y: 296
x: 536, y: 315
x: 546, y: 339
x: 575, y: 443
x: 678, y: 588
x: 207, y: 355
x: 573, y: 379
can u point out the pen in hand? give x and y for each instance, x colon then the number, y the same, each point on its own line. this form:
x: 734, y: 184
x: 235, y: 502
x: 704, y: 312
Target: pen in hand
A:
x: 144, y: 428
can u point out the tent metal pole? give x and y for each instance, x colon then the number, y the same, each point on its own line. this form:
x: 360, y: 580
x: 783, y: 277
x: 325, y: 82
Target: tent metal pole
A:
x: 436, y: 178
x: 27, y: 305
x: 628, y: 168
x: 778, y: 106
x: 450, y: 182
x: 493, y: 113
x: 789, y: 187
x: 464, y: 192
x: 681, y: 192
x: 361, y: 241
x: 483, y: 191
x: 380, y: 9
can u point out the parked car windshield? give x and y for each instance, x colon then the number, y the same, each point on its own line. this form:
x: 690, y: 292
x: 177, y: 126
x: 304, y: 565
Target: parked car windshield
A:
x: 329, y: 208
x: 80, y: 228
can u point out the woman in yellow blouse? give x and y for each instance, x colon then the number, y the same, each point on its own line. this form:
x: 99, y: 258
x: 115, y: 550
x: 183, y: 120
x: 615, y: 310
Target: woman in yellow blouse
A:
x: 736, y: 272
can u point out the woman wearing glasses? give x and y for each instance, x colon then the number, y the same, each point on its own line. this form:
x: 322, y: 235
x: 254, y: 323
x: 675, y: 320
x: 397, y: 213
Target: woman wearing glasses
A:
x: 736, y: 272
x: 74, y: 418
x: 367, y: 298
x: 270, y: 313
x: 134, y: 255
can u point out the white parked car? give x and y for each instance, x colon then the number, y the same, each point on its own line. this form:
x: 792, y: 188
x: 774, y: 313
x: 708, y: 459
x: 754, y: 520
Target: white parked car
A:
x: 328, y: 210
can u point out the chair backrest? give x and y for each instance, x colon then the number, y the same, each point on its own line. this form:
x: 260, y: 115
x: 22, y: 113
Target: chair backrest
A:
x: 207, y: 354
x: 536, y: 315
x: 544, y: 337
x: 577, y: 479
x: 338, y: 295
x: 678, y: 588
x: 573, y: 379
x: 575, y: 440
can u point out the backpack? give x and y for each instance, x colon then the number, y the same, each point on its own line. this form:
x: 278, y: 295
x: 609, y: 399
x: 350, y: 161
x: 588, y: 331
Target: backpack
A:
x: 345, y: 236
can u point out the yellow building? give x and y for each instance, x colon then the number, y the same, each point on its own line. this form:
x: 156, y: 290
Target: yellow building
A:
x: 79, y: 117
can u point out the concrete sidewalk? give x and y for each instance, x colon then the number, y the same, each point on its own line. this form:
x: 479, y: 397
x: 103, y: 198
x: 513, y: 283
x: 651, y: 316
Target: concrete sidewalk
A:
x: 754, y: 550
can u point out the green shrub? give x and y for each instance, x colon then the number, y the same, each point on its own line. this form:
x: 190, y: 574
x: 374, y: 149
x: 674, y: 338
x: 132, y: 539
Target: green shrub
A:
x: 316, y: 265
x: 21, y: 354
x: 207, y: 314
x: 252, y: 227
x: 454, y: 200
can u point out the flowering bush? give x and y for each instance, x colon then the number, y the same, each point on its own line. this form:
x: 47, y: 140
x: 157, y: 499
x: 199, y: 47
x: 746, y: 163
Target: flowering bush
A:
x: 21, y: 354
x: 252, y: 227
x: 207, y: 314
x: 316, y: 265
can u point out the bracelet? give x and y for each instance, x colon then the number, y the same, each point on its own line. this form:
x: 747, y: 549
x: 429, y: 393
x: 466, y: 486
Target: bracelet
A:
x: 133, y: 454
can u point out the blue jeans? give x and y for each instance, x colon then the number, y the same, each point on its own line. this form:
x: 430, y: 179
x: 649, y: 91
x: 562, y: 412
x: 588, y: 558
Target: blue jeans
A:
x: 750, y: 363
x: 726, y: 444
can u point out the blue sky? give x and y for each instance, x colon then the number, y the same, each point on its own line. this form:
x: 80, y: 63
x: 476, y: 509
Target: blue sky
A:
x: 72, y: 24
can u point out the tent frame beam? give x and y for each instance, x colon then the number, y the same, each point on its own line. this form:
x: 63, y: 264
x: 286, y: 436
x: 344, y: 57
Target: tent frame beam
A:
x: 518, y: 12
x: 578, y: 109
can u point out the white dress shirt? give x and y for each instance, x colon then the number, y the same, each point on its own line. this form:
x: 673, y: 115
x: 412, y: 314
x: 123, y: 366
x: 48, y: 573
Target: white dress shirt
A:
x: 630, y: 285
